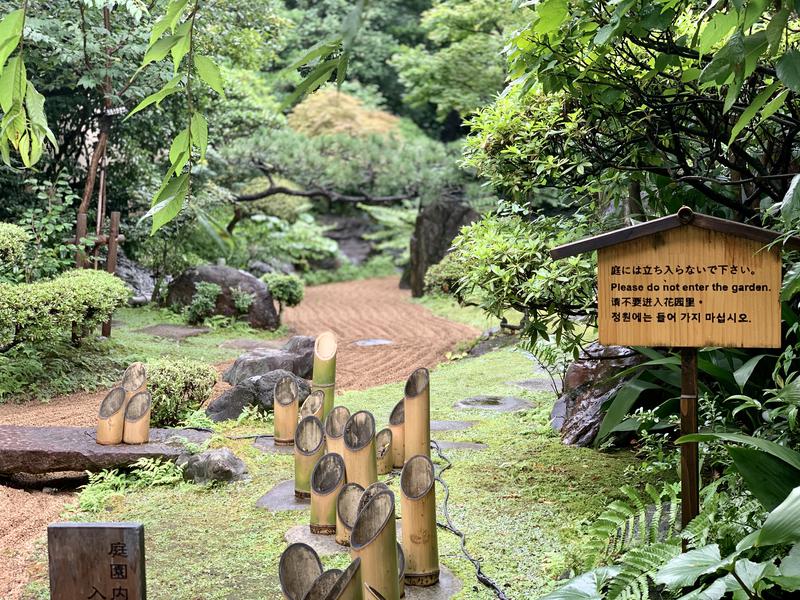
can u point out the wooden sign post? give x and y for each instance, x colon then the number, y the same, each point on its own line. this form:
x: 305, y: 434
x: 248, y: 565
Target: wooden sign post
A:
x: 97, y: 561
x: 687, y: 281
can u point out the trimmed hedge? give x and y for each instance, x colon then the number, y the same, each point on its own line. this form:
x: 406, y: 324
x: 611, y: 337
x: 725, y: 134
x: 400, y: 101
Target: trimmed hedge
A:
x: 75, y: 302
x: 179, y: 387
x: 13, y: 242
x: 286, y: 290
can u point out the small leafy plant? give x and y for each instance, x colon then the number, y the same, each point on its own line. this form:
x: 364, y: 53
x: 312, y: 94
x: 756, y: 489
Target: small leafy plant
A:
x: 286, y: 290
x: 203, y: 302
x: 178, y: 387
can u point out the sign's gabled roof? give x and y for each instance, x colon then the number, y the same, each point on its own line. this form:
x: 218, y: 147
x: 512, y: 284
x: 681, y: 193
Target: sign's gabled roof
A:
x: 685, y: 216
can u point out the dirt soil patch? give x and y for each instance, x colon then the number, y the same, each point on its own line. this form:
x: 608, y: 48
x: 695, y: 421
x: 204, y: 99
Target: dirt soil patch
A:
x: 353, y: 310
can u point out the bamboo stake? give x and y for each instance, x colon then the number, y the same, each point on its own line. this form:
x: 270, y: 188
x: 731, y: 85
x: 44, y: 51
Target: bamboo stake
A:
x: 313, y: 405
x: 369, y: 493
x: 298, y: 568
x: 111, y: 418
x: 347, y: 511
x: 348, y: 586
x: 327, y: 481
x: 401, y: 569
x: 324, y: 374
x: 135, y: 379
x: 323, y: 585
x: 334, y: 429
x: 309, y: 446
x: 383, y: 451
x: 418, y: 414
x: 418, y: 502
x: 137, y: 419
x: 286, y: 410
x: 374, y: 541
x: 359, y: 449
x: 397, y: 425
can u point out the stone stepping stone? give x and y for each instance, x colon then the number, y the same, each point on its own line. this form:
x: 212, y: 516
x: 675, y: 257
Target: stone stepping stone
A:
x: 373, y: 342
x: 267, y: 444
x: 173, y: 332
x: 461, y: 445
x: 248, y: 344
x: 493, y: 403
x: 535, y: 385
x: 324, y: 545
x: 282, y: 498
x: 451, y: 425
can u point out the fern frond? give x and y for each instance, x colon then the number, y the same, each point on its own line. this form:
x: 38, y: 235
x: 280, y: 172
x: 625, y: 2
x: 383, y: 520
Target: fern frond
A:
x: 639, y: 565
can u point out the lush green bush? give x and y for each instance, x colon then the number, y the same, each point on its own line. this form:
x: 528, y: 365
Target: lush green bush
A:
x: 203, y: 302
x: 242, y: 300
x: 73, y: 302
x: 443, y: 277
x: 13, y: 241
x: 179, y: 387
x: 286, y: 290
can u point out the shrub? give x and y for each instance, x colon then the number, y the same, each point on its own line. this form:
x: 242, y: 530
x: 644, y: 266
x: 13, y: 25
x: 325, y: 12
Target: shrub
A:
x: 13, y: 240
x: 242, y: 300
x: 75, y: 301
x: 286, y: 290
x: 443, y: 277
x: 203, y: 302
x: 178, y: 387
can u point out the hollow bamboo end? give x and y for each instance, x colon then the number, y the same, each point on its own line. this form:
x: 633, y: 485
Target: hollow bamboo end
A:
x: 417, y: 383
x: 135, y: 377
x: 313, y: 405
x: 398, y: 414
x: 137, y: 419
x: 298, y: 569
x: 285, y: 391
x: 418, y: 477
x: 325, y: 346
x: 323, y: 585
x: 336, y: 421
x: 359, y: 430
x: 308, y: 436
x: 348, y: 586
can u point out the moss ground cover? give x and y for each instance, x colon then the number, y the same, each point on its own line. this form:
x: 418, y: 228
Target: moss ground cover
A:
x: 523, y: 503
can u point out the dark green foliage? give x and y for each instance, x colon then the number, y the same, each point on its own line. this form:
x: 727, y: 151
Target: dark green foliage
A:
x: 203, y: 302
x: 178, y: 387
x: 444, y: 277
x: 242, y: 300
x: 13, y: 242
x: 286, y: 290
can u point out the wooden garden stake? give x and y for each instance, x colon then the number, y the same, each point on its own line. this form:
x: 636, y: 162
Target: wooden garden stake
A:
x: 687, y: 281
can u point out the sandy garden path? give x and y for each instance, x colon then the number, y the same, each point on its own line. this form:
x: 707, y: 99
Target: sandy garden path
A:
x: 374, y: 309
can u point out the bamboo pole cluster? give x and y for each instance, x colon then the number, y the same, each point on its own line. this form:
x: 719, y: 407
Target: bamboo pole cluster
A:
x: 124, y: 414
x: 302, y: 577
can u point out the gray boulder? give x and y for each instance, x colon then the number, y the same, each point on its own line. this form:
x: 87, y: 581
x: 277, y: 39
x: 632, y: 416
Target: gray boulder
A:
x: 262, y: 313
x: 296, y: 356
x: 219, y: 465
x: 589, y: 383
x: 436, y: 226
x: 272, y: 265
x: 254, y: 391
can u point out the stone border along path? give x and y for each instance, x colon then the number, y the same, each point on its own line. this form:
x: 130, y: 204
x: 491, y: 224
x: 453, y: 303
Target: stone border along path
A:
x: 353, y: 310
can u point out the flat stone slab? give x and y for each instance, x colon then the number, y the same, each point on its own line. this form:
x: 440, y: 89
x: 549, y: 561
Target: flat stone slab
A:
x: 267, y: 444
x: 247, y: 344
x: 51, y: 449
x: 461, y: 445
x: 282, y: 498
x: 173, y: 332
x: 535, y: 385
x: 449, y: 585
x: 373, y: 342
x: 451, y: 425
x: 493, y: 403
x: 324, y: 545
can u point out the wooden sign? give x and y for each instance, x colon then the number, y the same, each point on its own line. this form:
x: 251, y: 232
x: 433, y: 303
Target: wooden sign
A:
x: 96, y: 561
x: 689, y: 287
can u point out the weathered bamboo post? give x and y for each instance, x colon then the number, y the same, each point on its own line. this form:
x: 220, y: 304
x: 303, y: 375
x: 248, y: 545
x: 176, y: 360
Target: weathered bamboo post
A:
x: 309, y: 446
x: 369, y: 493
x: 347, y: 511
x: 349, y: 585
x: 111, y: 260
x: 134, y: 380
x: 359, y: 449
x: 111, y: 418
x: 323, y: 585
x: 324, y: 373
x: 401, y: 569
x: 313, y: 405
x: 383, y: 451
x: 327, y: 480
x: 286, y: 410
x: 298, y: 569
x: 418, y: 502
x: 334, y: 429
x: 417, y: 406
x: 137, y: 419
x: 397, y: 425
x: 374, y: 541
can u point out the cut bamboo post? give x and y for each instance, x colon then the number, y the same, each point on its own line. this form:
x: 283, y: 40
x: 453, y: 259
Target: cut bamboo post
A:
x: 323, y: 585
x: 309, y: 446
x: 348, y: 586
x: 111, y: 418
x: 137, y: 419
x: 418, y: 502
x: 374, y: 541
x: 401, y: 569
x: 383, y: 451
x: 286, y: 408
x: 298, y: 569
x: 347, y: 511
x: 327, y: 481
x: 134, y: 380
x: 397, y: 425
x: 324, y: 373
x: 359, y: 449
x: 313, y: 405
x: 417, y: 407
x: 369, y: 493
x: 334, y: 429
